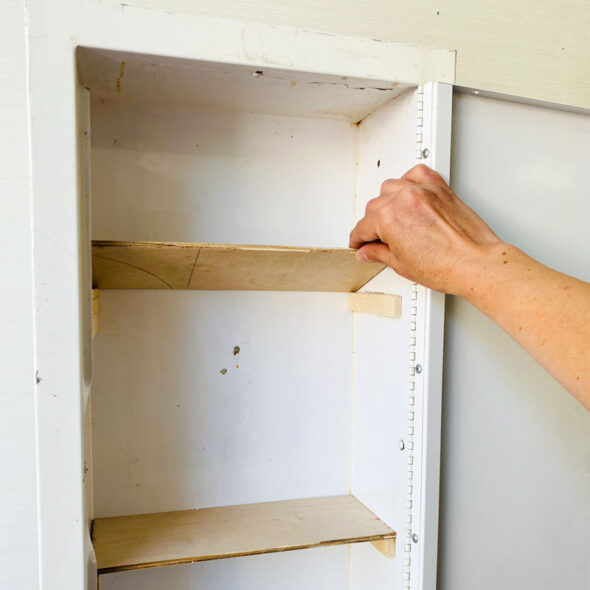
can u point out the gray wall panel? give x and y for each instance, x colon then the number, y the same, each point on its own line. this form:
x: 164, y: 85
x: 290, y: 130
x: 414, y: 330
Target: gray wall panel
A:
x: 515, y: 510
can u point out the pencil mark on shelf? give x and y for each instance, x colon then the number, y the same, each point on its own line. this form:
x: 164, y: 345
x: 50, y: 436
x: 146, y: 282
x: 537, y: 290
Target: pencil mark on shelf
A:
x: 193, y: 268
x: 137, y: 267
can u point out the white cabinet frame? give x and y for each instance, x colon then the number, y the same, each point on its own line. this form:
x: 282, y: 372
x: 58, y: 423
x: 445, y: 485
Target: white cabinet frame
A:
x: 61, y: 275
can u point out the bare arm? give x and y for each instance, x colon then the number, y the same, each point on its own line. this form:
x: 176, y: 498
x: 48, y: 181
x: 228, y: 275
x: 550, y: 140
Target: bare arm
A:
x: 420, y: 228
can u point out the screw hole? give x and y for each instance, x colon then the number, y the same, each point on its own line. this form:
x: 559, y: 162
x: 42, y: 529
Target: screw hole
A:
x: 378, y: 163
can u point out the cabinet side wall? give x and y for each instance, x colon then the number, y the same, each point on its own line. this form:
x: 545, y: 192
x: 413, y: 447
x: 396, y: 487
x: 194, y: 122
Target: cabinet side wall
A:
x: 386, y: 149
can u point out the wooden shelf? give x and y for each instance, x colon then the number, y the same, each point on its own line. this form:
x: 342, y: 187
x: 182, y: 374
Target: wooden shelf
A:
x: 169, y: 538
x: 174, y: 265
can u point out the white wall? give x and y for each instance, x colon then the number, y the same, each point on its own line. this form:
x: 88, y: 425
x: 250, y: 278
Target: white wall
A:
x: 516, y: 446
x: 18, y: 500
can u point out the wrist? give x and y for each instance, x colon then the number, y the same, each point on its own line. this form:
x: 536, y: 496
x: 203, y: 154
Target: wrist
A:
x: 483, y: 269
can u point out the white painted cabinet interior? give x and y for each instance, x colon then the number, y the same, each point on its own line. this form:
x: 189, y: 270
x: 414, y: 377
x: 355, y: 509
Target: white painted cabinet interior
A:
x: 515, y: 489
x: 217, y: 398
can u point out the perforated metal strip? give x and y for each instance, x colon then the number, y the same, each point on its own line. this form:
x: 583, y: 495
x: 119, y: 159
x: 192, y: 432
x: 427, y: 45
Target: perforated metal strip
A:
x: 407, y: 572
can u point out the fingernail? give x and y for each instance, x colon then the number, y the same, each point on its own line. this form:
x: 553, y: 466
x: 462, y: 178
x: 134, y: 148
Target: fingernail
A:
x: 360, y: 255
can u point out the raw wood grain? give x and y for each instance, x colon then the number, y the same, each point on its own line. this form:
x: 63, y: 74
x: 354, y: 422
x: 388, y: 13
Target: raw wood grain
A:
x: 168, y: 538
x: 386, y: 547
x: 173, y: 265
x: 384, y: 304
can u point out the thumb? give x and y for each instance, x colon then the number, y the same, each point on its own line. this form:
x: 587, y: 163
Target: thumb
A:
x: 374, y: 252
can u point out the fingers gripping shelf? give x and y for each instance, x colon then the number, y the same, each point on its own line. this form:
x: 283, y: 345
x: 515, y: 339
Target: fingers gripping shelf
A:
x: 168, y: 538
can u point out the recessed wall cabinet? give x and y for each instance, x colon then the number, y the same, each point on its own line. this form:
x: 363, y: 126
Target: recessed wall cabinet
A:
x: 228, y: 391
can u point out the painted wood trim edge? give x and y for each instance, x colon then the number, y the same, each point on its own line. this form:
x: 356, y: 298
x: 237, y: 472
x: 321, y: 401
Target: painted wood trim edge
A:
x: 95, y: 312
x: 256, y: 44
x: 384, y: 304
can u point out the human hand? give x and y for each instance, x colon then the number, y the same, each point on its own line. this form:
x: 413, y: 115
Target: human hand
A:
x: 421, y: 229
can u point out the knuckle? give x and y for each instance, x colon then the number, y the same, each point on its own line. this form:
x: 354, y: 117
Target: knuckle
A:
x: 425, y: 173
x: 372, y: 204
x: 388, y: 185
x: 386, y: 216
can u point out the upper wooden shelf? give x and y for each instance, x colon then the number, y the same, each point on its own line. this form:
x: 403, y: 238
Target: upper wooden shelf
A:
x: 174, y: 265
x: 168, y: 538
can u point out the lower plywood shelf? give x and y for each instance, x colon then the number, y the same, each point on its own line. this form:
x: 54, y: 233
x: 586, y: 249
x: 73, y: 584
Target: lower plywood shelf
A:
x: 168, y: 538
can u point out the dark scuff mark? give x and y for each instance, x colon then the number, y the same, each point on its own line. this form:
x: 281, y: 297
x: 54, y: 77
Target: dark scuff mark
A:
x: 389, y: 88
x: 120, y: 77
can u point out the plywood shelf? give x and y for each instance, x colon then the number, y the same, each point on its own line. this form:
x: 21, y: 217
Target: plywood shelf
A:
x: 169, y: 538
x: 174, y: 265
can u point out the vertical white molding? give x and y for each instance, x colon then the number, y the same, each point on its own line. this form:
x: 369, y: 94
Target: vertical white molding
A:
x: 436, y: 153
x: 19, y: 557
x: 57, y: 208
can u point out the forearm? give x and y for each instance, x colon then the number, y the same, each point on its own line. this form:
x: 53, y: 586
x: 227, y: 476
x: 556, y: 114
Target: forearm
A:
x: 546, y: 312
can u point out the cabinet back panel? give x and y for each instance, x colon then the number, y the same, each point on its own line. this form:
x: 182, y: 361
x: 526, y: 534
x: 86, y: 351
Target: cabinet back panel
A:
x: 183, y: 420
x: 171, y: 173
